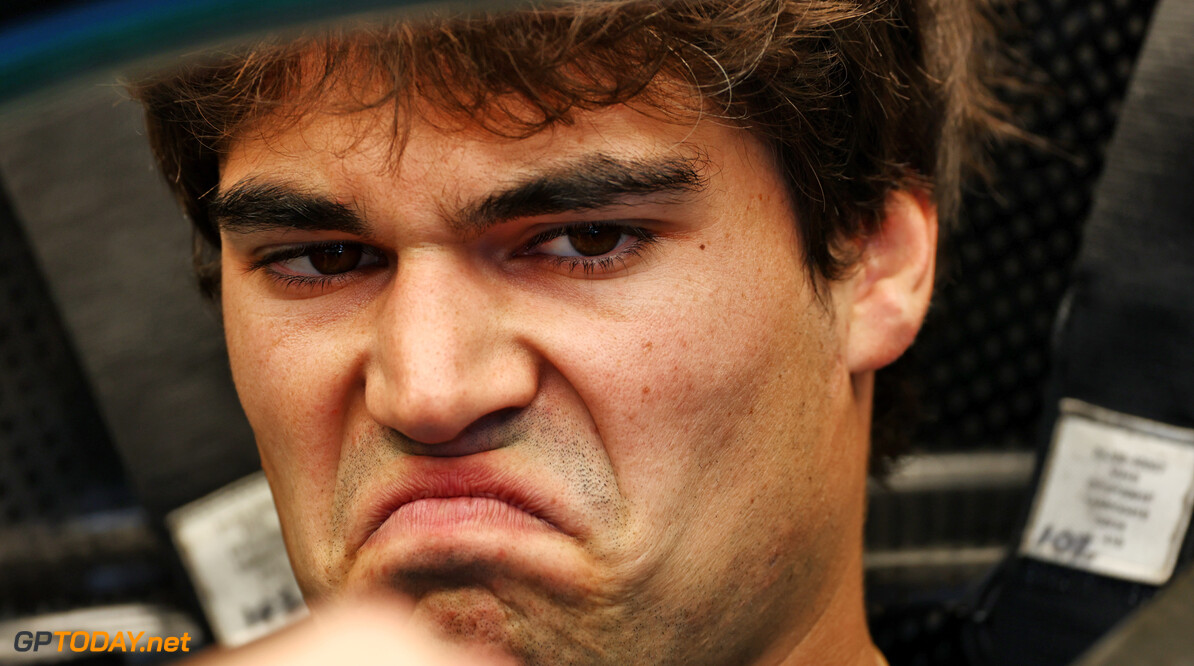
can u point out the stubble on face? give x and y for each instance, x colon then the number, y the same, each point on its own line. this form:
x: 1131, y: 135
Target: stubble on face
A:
x: 478, y: 598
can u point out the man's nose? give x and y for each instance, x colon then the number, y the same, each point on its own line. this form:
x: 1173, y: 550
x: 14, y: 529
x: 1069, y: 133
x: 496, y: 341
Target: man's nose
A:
x: 446, y: 355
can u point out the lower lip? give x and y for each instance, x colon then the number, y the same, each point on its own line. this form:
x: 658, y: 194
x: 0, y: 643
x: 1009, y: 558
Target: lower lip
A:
x: 450, y: 513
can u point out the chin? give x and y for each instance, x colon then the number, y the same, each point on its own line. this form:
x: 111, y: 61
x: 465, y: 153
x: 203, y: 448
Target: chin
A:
x: 470, y: 616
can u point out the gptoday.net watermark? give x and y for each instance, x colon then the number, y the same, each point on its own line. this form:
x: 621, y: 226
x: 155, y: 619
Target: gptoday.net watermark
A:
x: 98, y: 641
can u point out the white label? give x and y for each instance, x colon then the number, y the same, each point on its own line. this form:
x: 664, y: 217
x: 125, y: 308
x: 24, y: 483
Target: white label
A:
x: 1115, y: 495
x: 231, y: 544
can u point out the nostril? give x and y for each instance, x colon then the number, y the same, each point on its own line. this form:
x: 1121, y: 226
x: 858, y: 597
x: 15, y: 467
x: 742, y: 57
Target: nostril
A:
x: 495, y: 430
x: 495, y: 419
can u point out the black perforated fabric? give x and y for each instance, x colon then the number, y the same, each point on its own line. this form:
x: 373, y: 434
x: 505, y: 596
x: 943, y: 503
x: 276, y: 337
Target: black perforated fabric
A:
x: 984, y: 353
x: 57, y: 465
x: 57, y: 460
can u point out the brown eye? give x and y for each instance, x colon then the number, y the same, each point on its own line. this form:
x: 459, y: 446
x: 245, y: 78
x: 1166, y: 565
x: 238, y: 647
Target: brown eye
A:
x: 594, y: 239
x: 334, y: 259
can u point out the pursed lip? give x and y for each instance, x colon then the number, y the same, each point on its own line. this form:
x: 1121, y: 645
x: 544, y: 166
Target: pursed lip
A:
x: 449, y: 479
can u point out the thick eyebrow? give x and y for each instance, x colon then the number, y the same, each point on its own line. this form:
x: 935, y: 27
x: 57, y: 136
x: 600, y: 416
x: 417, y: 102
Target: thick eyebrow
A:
x: 595, y: 181
x: 252, y: 206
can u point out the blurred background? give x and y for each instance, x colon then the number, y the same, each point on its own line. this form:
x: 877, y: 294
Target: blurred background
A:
x: 116, y: 407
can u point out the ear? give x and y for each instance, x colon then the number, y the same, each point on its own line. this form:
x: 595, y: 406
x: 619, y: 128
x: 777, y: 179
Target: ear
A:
x: 891, y: 288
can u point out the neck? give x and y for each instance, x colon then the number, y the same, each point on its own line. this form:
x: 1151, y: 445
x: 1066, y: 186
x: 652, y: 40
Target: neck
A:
x: 840, y: 634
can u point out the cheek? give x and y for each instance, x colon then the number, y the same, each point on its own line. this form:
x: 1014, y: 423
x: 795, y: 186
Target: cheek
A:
x: 718, y: 408
x: 291, y: 384
x: 686, y: 380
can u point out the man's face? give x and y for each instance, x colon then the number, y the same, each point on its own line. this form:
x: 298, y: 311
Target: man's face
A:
x: 573, y: 394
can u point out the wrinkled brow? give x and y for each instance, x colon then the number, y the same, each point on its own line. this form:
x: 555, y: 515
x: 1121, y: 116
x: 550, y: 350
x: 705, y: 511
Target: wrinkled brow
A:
x: 251, y: 206
x: 594, y: 181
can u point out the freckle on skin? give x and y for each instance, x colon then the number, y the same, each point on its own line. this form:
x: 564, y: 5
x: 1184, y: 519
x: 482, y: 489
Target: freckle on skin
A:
x: 702, y: 246
x: 646, y: 390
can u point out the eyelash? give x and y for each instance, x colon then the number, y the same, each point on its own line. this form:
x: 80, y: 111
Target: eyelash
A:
x: 641, y: 239
x: 266, y: 262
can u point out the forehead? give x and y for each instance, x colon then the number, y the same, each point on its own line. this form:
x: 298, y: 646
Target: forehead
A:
x: 332, y: 150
